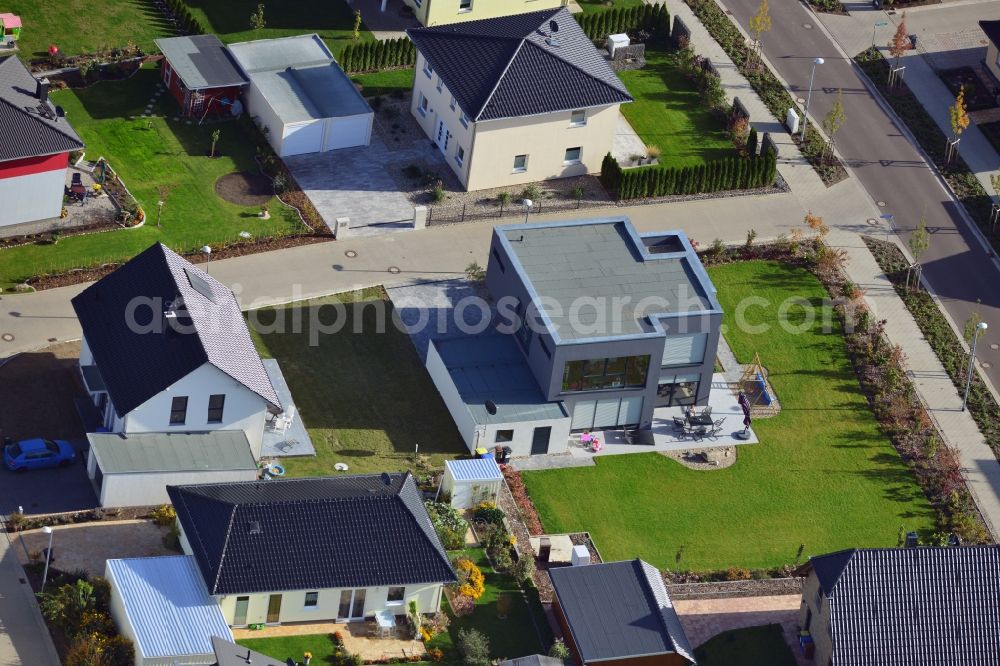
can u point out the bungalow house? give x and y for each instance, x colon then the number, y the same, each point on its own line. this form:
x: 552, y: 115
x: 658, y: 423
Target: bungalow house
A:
x: 439, y: 12
x: 200, y: 74
x: 168, y: 362
x: 597, y: 327
x: 34, y: 153
x: 618, y: 613
x: 517, y: 99
x: 896, y: 606
x: 313, y: 550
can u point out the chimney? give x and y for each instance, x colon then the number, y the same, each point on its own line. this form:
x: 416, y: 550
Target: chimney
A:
x: 42, y: 90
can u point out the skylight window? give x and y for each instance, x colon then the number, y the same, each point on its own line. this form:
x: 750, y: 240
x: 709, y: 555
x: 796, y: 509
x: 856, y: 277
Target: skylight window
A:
x: 201, y: 285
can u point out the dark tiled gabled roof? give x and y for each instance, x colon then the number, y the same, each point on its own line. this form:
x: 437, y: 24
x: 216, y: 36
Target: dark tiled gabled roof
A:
x: 516, y: 66
x: 137, y: 364
x: 308, y: 534
x: 618, y: 610
x: 905, y: 606
x: 26, y: 130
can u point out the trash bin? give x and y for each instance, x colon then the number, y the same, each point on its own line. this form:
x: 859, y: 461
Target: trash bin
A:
x: 502, y: 454
x: 483, y: 453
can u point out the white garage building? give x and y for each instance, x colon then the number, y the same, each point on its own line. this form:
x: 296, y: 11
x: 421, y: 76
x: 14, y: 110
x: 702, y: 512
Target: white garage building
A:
x: 301, y: 96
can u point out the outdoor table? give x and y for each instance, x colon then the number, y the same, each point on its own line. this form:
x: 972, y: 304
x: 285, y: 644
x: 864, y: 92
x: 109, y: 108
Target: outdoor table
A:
x: 386, y: 622
x: 700, y: 420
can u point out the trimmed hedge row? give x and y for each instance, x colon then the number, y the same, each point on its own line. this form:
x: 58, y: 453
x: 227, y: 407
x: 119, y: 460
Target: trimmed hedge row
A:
x: 185, y: 19
x: 653, y: 19
x: 732, y: 173
x: 374, y: 56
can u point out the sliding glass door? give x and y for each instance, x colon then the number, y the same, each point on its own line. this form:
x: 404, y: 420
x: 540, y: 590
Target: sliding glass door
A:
x: 352, y: 605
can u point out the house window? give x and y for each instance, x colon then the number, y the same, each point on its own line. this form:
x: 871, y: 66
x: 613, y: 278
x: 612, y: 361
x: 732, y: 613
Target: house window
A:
x: 422, y: 107
x: 464, y: 120
x: 395, y: 597
x: 440, y: 84
x: 428, y: 70
x: 312, y: 600
x: 520, y: 163
x: 454, y: 103
x: 460, y: 155
x: 578, y: 118
x: 216, y: 403
x: 504, y: 436
x: 573, y: 155
x: 499, y: 261
x: 465, y: 5
x: 167, y: 74
x: 178, y: 410
x: 605, y: 373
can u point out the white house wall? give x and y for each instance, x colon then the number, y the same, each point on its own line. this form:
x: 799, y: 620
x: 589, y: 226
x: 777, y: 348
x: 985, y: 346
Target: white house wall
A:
x: 427, y: 597
x: 243, y: 410
x: 259, y: 109
x: 524, y: 432
x: 86, y: 356
x: 150, y: 488
x: 118, y: 614
x: 452, y: 400
x: 36, y: 196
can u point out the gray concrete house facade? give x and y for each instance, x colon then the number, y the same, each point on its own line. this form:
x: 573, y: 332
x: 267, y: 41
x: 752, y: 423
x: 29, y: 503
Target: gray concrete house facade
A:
x: 612, y: 323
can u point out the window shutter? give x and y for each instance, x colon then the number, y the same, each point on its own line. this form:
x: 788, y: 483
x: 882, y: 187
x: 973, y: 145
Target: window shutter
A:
x: 685, y: 349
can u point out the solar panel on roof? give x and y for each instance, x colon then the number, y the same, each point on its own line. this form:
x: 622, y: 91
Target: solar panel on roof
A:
x: 200, y: 284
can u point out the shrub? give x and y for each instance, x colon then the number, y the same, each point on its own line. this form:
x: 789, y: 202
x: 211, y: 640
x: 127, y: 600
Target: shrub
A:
x: 95, y: 621
x: 475, y: 273
x: 448, y: 523
x: 471, y: 581
x: 526, y: 508
x: 489, y: 512
x: 559, y: 650
x: 163, y: 515
x: 436, y: 655
x: 66, y: 606
x: 532, y: 192
x: 16, y: 521
x: 653, y: 151
x: 438, y: 193
x: 524, y: 569
x: 473, y: 647
x: 100, y: 650
x: 737, y: 573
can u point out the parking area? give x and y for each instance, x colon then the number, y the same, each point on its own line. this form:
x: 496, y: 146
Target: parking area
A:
x: 38, y: 390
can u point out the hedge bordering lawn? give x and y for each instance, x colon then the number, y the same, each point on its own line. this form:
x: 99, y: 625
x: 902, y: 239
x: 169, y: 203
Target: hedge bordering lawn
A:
x: 959, y: 177
x: 767, y: 86
x: 942, y: 339
x: 378, y: 56
x: 651, y: 19
x: 734, y: 173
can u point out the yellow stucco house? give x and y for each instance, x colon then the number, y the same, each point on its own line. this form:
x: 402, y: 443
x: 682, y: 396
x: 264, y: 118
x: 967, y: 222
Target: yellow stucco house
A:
x: 440, y: 12
x: 517, y: 99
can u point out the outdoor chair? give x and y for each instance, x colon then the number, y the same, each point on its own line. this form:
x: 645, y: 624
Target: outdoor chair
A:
x: 707, y: 411
x: 679, y: 423
x: 699, y: 433
x: 718, y: 423
x: 77, y: 179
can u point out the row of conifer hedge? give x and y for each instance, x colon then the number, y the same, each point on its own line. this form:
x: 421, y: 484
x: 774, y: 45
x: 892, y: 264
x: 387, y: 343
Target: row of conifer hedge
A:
x: 732, y: 173
x: 379, y: 55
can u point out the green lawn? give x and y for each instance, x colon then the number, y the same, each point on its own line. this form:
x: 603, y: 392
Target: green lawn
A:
x: 755, y: 646
x: 285, y: 647
x: 594, y: 6
x: 148, y: 153
x: 823, y: 477
x: 385, y: 83
x: 365, y: 397
x: 80, y: 26
x: 668, y: 113
x: 333, y: 20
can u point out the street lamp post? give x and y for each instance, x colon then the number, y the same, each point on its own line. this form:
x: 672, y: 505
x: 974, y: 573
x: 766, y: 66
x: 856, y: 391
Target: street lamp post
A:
x: 980, y: 328
x: 207, y: 249
x: 528, y: 203
x: 48, y: 556
x: 805, y: 116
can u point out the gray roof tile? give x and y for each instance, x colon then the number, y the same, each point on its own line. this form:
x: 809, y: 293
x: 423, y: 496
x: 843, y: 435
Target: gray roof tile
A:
x: 25, y: 131
x: 515, y: 66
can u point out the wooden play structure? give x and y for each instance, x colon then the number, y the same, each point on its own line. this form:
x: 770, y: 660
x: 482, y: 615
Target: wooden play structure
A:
x: 11, y: 26
x: 758, y: 390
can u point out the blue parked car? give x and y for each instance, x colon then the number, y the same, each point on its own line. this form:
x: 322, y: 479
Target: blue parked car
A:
x: 37, y: 454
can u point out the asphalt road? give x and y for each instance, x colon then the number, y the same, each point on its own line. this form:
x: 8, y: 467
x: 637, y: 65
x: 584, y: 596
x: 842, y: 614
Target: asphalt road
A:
x: 888, y: 165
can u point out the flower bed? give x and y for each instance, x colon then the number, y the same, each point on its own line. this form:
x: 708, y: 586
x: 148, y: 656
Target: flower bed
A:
x: 959, y: 177
x: 977, y: 96
x: 767, y: 86
x: 525, y: 507
x: 942, y: 339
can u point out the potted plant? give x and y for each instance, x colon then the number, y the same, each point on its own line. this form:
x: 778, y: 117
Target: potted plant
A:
x: 307, y: 657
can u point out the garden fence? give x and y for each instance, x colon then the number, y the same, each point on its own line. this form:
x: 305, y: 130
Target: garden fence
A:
x: 470, y: 212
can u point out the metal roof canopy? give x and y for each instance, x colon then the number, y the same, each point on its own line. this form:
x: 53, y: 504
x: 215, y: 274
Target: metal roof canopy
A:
x: 167, y: 605
x: 475, y: 469
x: 214, y: 451
x: 201, y: 61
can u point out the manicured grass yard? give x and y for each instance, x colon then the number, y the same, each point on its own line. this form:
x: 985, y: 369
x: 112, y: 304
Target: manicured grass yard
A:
x: 755, y: 646
x: 333, y: 20
x: 148, y: 153
x: 668, y: 113
x: 594, y: 6
x: 385, y: 83
x: 365, y: 397
x: 823, y: 477
x: 285, y: 647
x: 80, y: 26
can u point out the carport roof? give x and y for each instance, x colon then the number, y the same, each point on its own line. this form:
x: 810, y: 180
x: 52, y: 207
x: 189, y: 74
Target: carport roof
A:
x: 491, y: 367
x: 220, y: 450
x: 168, y: 606
x: 299, y: 78
x: 201, y: 61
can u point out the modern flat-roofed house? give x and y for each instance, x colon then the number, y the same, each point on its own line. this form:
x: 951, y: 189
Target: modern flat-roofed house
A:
x: 902, y: 606
x: 516, y: 99
x: 313, y: 550
x: 34, y: 154
x: 301, y: 97
x: 992, y: 60
x: 200, y: 74
x: 618, y: 613
x: 597, y: 326
x: 440, y: 12
x: 169, y: 364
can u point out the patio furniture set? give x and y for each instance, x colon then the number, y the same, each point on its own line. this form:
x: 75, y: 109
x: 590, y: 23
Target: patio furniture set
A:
x: 698, y: 425
x: 77, y: 191
x: 382, y: 624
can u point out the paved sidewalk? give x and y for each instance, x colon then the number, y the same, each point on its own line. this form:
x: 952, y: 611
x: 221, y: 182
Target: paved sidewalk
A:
x: 24, y: 638
x: 849, y: 211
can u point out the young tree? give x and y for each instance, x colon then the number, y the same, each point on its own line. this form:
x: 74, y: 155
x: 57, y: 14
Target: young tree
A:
x: 215, y: 139
x: 957, y: 114
x: 759, y: 24
x: 969, y: 330
x: 257, y: 21
x: 900, y: 41
x: 356, y: 31
x: 919, y: 243
x: 834, y: 120
x: 164, y: 192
